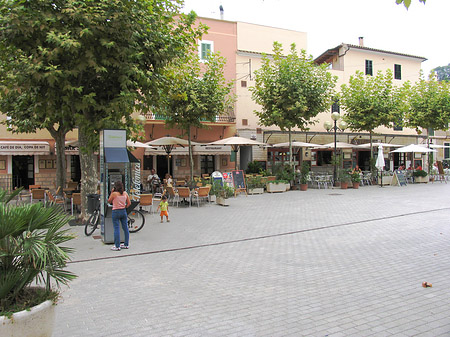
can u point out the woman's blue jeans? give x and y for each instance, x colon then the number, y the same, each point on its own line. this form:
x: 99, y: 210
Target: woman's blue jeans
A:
x: 119, y: 217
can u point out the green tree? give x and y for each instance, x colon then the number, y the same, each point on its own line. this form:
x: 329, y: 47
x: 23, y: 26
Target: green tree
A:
x: 291, y: 90
x: 370, y: 102
x: 442, y: 73
x: 428, y: 105
x: 88, y: 64
x: 196, y: 93
x: 407, y: 3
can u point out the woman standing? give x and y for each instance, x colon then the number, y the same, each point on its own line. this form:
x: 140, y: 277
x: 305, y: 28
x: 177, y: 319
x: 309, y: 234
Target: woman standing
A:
x: 120, y: 201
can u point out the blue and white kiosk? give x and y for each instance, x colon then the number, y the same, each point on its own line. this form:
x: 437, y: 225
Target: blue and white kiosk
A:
x: 116, y: 163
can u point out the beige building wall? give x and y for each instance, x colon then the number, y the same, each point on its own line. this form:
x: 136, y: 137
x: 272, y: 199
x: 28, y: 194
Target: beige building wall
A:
x: 252, y: 42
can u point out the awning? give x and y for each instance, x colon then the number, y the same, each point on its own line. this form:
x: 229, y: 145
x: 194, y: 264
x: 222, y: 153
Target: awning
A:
x: 196, y: 150
x: 24, y: 148
x: 116, y: 155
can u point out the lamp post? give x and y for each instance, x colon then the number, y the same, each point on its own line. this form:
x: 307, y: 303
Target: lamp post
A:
x: 335, y: 116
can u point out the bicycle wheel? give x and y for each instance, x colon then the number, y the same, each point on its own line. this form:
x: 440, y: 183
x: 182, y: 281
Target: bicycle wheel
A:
x: 92, y: 223
x: 136, y: 221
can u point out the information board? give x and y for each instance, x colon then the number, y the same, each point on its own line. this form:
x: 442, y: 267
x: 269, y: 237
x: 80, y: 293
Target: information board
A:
x: 228, y: 179
x: 399, y: 178
x: 238, y: 179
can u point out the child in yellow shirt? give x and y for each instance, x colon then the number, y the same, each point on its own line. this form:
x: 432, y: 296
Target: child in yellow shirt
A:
x: 164, y: 206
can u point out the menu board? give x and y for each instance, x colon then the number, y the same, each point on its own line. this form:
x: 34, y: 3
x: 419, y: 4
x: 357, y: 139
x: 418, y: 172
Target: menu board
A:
x: 400, y: 178
x: 238, y: 179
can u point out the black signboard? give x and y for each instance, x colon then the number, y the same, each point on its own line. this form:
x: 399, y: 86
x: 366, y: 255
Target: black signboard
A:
x: 401, y: 178
x: 238, y: 180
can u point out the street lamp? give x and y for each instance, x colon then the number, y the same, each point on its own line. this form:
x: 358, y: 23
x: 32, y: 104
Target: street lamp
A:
x: 341, y: 126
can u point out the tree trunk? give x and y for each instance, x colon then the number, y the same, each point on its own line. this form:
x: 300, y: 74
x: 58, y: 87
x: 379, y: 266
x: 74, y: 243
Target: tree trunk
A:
x: 191, y: 158
x: 89, y: 174
x: 290, y: 148
x: 60, y: 137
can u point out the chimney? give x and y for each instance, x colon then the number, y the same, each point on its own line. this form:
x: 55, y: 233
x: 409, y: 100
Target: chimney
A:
x: 221, y: 12
x: 361, y: 41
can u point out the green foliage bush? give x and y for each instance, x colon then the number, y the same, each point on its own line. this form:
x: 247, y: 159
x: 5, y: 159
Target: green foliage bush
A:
x: 30, y: 251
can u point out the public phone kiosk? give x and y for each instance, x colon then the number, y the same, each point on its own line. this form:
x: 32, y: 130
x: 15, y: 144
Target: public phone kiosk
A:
x: 116, y: 164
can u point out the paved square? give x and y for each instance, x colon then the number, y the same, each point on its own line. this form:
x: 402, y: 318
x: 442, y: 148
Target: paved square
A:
x: 315, y: 263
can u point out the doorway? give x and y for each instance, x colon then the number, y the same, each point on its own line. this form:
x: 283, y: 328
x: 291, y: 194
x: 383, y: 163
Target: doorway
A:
x: 207, y: 164
x: 23, y: 171
x: 161, y: 166
x: 364, y: 160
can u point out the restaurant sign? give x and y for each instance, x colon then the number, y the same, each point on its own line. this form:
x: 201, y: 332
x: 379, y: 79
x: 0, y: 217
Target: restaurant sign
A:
x: 24, y: 148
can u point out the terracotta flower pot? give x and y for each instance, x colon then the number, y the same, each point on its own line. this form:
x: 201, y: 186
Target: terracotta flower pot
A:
x: 303, y: 187
x: 355, y: 184
x: 344, y: 185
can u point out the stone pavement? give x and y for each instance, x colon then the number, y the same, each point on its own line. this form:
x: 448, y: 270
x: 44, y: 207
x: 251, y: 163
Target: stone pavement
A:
x: 316, y: 263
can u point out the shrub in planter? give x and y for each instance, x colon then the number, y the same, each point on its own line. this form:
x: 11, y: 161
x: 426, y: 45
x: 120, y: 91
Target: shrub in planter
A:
x: 254, y: 183
x: 420, y: 173
x: 31, y: 253
x: 304, y: 174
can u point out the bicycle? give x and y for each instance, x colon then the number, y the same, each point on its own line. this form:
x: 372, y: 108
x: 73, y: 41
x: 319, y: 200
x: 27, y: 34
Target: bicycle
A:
x: 135, y: 219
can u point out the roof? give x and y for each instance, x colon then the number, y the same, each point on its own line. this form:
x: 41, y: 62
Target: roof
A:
x: 330, y: 53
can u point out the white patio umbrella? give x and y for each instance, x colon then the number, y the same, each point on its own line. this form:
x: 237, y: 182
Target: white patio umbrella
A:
x: 236, y: 142
x: 413, y: 148
x: 130, y: 143
x: 380, y: 162
x: 435, y: 146
x: 339, y: 145
x: 367, y: 146
x: 297, y: 144
x: 168, y: 143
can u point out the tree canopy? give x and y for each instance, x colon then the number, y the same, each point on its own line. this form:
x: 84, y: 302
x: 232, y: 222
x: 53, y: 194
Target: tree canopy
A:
x: 196, y: 93
x: 428, y: 105
x: 371, y: 101
x: 407, y: 3
x: 89, y: 64
x: 442, y: 72
x: 291, y: 90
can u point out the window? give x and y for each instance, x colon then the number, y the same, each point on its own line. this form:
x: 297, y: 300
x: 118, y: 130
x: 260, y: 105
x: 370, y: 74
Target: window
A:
x: 397, y: 71
x: 398, y: 126
x: 244, y: 84
x: 205, y: 49
x: 335, y: 107
x: 369, y: 67
x: 244, y: 121
x: 447, y: 151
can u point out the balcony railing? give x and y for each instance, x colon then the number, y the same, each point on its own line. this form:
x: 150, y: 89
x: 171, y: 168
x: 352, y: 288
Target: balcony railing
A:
x: 228, y: 118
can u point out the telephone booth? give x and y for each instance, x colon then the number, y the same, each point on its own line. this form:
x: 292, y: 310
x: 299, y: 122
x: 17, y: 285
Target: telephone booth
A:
x: 116, y: 164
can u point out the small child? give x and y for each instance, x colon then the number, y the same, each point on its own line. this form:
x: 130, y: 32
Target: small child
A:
x: 164, y: 206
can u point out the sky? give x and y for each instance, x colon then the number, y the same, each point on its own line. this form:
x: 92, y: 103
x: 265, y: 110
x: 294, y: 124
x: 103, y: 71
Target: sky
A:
x: 423, y: 30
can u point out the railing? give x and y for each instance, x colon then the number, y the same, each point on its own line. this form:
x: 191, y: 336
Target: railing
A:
x: 6, y: 183
x: 223, y: 118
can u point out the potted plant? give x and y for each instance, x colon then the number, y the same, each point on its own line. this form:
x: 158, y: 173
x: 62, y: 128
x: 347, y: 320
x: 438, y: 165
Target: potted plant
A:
x: 356, y: 179
x: 420, y: 176
x: 222, y: 193
x: 286, y: 173
x: 304, y: 175
x: 344, y: 178
x: 31, y: 254
x: 276, y: 186
x: 255, y: 185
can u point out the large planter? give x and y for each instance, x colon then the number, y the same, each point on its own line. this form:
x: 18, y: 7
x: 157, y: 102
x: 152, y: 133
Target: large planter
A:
x: 344, y: 185
x: 356, y: 184
x: 387, y: 180
x: 274, y: 188
x: 222, y: 201
x: 37, y: 322
x: 422, y: 179
x: 303, y: 187
x: 256, y: 190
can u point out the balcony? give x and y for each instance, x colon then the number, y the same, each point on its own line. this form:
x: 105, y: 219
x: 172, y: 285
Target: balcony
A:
x: 225, y: 118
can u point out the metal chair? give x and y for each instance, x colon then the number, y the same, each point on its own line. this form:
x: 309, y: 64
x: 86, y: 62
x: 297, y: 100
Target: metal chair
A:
x: 172, y: 194
x: 202, y: 192
x: 75, y: 201
x: 184, y: 193
x: 146, y: 201
x: 37, y: 194
x: 58, y: 200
